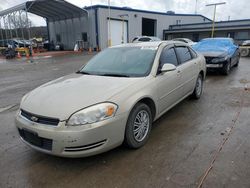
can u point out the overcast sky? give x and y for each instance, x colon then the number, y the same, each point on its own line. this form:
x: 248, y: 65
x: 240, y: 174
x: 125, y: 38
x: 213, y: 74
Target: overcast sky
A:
x: 233, y: 9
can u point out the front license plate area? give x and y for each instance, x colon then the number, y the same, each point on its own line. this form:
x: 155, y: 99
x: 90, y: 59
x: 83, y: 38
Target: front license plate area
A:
x: 32, y: 138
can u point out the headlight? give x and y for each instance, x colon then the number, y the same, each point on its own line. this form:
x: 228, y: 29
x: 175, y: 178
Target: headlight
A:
x: 93, y: 114
x: 219, y: 59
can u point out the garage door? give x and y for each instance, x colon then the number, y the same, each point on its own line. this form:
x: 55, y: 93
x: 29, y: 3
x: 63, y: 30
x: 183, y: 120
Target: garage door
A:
x: 116, y: 32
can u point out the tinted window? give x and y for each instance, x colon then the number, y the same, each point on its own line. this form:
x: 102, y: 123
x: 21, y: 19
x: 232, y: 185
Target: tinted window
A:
x: 168, y: 56
x: 183, y: 54
x: 134, y: 39
x: 144, y: 39
x: 193, y: 53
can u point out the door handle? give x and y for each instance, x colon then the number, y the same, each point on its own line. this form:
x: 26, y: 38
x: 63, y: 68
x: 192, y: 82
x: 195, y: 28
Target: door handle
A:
x: 178, y: 71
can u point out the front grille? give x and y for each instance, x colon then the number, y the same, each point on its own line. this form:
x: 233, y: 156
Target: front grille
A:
x: 35, y: 140
x: 209, y: 59
x: 39, y: 119
x: 85, y: 147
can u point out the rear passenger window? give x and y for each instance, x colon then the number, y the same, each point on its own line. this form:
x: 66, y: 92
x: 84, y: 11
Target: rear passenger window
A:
x: 183, y: 54
x: 193, y: 53
x: 168, y: 56
x: 145, y: 39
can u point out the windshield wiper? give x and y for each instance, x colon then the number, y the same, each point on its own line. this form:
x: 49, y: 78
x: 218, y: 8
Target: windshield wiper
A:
x: 82, y: 72
x: 115, y: 75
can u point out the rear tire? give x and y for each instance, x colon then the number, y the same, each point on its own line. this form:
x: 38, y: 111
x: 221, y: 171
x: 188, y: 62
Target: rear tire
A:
x: 244, y: 52
x: 198, y: 88
x: 138, y: 126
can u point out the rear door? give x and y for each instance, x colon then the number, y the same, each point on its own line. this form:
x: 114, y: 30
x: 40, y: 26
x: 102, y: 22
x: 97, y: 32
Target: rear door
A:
x: 188, y: 69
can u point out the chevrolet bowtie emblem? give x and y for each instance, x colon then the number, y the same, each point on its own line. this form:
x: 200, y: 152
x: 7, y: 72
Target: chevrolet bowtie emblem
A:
x: 33, y: 118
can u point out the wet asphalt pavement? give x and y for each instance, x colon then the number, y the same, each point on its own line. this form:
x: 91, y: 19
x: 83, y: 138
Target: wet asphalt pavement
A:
x: 197, y: 142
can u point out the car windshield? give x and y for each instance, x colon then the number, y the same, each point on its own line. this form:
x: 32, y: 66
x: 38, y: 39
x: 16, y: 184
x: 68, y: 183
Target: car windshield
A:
x: 121, y: 62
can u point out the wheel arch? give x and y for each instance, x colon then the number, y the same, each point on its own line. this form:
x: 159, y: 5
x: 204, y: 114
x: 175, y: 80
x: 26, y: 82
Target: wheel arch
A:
x: 202, y: 74
x: 149, y: 102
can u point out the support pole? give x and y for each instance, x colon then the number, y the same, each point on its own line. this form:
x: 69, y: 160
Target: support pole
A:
x: 11, y: 36
x: 28, y: 28
x: 21, y: 25
x: 213, y: 24
x: 5, y: 28
x: 212, y: 35
x: 67, y: 33
x: 27, y: 23
x: 196, y: 6
x: 74, y: 29
x: 14, y: 19
x: 1, y: 31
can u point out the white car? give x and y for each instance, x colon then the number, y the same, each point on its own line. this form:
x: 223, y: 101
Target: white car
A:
x: 145, y: 39
x: 111, y: 100
x: 185, y: 40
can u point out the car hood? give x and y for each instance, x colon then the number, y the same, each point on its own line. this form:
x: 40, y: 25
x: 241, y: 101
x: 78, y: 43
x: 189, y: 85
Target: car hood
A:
x: 219, y: 49
x: 214, y: 53
x: 66, y: 95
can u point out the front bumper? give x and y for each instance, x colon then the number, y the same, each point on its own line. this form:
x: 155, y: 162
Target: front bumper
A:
x: 73, y: 141
x: 214, y: 65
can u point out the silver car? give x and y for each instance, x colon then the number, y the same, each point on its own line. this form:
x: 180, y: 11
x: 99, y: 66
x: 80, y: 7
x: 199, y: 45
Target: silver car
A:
x: 185, y: 40
x: 111, y: 100
x: 145, y: 39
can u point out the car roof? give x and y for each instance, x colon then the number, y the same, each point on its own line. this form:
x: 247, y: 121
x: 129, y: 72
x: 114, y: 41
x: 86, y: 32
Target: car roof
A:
x: 144, y: 36
x: 149, y: 44
x: 218, y: 38
x: 181, y: 38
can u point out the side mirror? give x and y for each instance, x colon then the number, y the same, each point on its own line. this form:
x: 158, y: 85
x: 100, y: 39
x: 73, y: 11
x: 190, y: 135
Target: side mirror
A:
x: 168, y: 67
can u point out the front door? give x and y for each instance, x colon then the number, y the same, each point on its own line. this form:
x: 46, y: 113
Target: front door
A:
x: 168, y: 83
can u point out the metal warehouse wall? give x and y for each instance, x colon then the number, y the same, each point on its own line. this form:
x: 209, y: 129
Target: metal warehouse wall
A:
x: 232, y: 23
x: 92, y: 34
x: 135, y: 22
x: 239, y: 35
x: 70, y: 31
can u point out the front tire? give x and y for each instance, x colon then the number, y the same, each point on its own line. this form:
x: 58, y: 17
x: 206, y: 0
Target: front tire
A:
x: 198, y: 87
x: 226, y: 69
x: 238, y: 61
x: 138, y: 126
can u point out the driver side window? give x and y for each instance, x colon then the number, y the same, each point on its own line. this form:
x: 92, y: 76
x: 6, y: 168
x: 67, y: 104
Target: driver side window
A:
x: 168, y: 56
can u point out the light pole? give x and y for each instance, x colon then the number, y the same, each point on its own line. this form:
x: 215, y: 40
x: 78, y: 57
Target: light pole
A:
x: 196, y: 4
x: 215, y: 6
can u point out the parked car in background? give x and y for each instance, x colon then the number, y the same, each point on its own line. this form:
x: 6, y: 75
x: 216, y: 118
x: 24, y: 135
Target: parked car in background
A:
x: 245, y: 48
x: 145, y: 39
x: 220, y: 53
x: 185, y: 40
x: 111, y: 100
x: 246, y: 43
